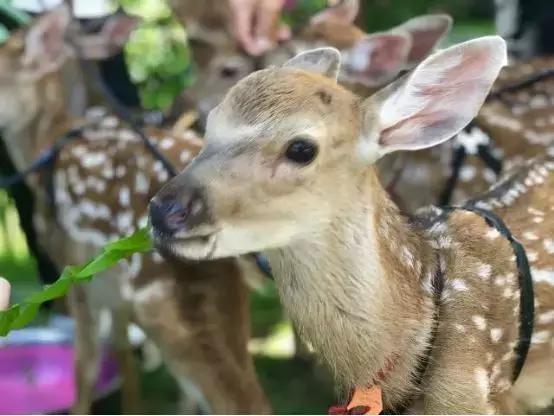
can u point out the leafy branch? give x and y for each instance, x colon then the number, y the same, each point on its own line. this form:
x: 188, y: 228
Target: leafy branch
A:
x: 19, y: 315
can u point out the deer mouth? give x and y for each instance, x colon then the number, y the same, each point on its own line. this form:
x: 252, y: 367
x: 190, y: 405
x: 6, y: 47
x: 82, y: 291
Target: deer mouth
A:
x: 191, y: 247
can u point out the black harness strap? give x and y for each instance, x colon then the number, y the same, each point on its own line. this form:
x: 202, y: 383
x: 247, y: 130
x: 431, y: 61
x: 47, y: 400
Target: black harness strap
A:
x: 527, y: 295
x: 45, y: 159
x: 437, y: 283
x: 527, y: 302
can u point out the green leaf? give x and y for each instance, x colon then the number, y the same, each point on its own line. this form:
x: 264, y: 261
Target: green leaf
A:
x: 20, y: 315
x: 20, y: 17
x: 4, y: 33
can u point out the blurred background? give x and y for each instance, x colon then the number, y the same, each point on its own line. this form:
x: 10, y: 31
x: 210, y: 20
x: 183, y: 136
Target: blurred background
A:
x: 160, y: 65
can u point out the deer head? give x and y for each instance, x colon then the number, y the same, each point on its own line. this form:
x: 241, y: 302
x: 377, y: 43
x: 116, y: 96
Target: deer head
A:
x: 288, y: 149
x: 36, y: 65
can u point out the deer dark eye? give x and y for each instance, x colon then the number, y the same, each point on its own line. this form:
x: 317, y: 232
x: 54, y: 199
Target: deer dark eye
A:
x: 302, y: 151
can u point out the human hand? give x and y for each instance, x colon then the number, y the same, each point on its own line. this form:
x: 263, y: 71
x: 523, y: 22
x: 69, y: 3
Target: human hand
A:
x: 256, y: 24
x: 4, y: 294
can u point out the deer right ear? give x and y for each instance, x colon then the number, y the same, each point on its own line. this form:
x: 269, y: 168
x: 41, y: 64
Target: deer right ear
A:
x: 432, y: 104
x: 324, y: 61
x: 426, y: 32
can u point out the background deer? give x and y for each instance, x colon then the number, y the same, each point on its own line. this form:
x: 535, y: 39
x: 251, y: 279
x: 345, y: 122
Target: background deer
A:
x: 371, y: 60
x: 197, y: 313
x: 287, y: 168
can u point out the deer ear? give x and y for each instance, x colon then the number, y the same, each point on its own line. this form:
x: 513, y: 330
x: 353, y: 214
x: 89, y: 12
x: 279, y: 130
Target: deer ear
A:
x: 376, y: 59
x: 432, y: 104
x: 110, y: 40
x: 45, y: 48
x: 324, y: 61
x: 345, y: 11
x: 426, y: 32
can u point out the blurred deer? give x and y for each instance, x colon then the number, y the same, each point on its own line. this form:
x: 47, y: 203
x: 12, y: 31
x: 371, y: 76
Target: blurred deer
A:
x: 428, y: 310
x: 196, y: 313
x: 371, y: 60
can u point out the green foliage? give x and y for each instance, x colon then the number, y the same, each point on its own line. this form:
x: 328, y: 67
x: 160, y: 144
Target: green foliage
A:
x: 19, y: 315
x: 303, y: 11
x: 157, y: 53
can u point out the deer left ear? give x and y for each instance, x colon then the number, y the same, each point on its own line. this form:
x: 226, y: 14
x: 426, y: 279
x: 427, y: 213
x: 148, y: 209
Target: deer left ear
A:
x: 435, y: 102
x: 324, y: 61
x: 45, y: 48
x: 345, y: 11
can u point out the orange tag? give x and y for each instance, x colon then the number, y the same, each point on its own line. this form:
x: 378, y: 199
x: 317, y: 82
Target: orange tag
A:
x: 370, y: 397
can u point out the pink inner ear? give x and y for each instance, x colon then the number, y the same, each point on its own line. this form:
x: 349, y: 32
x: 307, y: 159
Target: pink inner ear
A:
x: 423, y: 42
x: 389, y: 54
x: 377, y: 58
x: 439, y: 98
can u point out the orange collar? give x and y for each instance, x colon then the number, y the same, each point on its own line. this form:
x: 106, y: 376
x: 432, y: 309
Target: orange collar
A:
x: 367, y: 400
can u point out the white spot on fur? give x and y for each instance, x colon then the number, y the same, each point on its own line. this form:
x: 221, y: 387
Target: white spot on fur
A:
x: 529, y: 235
x: 467, y: 173
x: 546, y: 318
x: 460, y: 328
x: 532, y: 255
x: 540, y: 337
x: 543, y: 276
x: 91, y: 160
x: 125, y: 221
x: 482, y: 381
x: 548, y: 245
x: 496, y: 334
x: 492, y: 234
x: 167, y: 143
x: 459, y: 285
x: 484, y: 271
x: 124, y: 197
x: 142, y: 183
x: 479, y: 322
x: 120, y: 171
x: 185, y: 156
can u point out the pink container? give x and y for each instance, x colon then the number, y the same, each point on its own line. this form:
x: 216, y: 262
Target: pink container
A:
x: 39, y: 378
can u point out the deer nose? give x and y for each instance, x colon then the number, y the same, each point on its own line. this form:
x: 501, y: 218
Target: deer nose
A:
x: 170, y: 216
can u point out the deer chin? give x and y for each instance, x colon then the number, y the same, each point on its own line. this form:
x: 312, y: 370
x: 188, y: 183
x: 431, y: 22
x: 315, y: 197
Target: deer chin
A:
x: 193, y: 247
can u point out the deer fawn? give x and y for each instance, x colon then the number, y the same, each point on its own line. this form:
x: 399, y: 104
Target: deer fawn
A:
x: 287, y: 168
x: 196, y: 313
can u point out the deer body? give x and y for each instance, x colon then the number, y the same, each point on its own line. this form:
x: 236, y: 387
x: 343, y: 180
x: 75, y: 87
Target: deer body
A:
x: 356, y: 276
x: 196, y: 313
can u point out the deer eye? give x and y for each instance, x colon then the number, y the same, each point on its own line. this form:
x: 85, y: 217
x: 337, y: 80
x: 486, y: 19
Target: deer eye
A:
x: 301, y: 150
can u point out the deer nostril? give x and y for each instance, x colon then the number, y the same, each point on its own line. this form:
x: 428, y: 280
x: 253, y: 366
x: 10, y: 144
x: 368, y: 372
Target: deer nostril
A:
x: 168, y: 216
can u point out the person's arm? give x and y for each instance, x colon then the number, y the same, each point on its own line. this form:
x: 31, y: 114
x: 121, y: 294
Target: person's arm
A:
x: 4, y: 293
x: 257, y: 24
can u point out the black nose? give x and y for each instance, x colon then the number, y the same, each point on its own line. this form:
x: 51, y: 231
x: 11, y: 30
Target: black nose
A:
x: 169, y: 216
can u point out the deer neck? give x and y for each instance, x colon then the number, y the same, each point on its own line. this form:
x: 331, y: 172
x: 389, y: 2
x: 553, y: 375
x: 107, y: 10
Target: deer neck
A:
x: 356, y: 291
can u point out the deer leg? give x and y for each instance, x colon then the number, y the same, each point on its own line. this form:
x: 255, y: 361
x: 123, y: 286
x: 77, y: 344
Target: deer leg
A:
x: 130, y: 384
x: 87, y: 348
